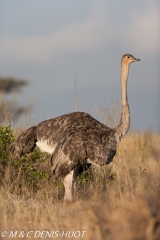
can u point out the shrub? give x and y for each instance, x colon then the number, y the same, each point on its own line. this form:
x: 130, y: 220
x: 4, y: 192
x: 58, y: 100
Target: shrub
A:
x: 6, y: 138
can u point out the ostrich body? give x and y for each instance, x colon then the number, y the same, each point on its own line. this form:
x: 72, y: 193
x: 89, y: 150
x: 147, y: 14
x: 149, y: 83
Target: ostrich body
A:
x: 77, y: 140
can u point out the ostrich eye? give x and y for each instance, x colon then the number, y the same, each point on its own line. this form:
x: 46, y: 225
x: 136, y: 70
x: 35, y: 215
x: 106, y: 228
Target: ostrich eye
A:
x: 128, y: 56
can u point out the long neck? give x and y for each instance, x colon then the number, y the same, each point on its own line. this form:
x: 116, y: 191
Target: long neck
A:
x: 124, y: 78
x: 124, y: 124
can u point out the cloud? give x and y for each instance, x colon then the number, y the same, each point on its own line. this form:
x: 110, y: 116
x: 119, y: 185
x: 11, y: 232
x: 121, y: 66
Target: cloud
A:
x: 140, y: 33
x: 144, y: 33
x: 76, y: 37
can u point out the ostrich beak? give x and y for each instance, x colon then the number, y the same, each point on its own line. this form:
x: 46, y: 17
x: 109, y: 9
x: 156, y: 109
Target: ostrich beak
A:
x: 137, y: 59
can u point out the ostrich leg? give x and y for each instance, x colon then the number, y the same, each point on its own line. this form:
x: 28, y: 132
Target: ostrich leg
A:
x: 68, y: 184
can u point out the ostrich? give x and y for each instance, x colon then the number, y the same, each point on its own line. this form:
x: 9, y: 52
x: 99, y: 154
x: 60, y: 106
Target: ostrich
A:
x: 76, y: 140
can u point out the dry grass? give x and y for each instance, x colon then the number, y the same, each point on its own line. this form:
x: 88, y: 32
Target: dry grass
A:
x: 121, y: 203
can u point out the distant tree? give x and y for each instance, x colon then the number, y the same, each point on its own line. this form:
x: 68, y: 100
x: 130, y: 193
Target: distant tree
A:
x: 10, y: 109
x: 10, y: 84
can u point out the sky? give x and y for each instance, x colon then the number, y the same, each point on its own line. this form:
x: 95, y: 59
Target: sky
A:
x: 55, y: 44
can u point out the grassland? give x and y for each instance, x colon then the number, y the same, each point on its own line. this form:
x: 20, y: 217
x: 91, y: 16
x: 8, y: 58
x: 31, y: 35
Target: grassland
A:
x: 121, y: 201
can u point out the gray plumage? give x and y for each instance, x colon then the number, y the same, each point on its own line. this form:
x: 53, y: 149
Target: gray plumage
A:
x: 77, y: 135
x: 77, y: 139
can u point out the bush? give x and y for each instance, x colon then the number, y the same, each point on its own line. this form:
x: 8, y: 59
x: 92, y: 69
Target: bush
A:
x: 24, y: 168
x: 6, y: 138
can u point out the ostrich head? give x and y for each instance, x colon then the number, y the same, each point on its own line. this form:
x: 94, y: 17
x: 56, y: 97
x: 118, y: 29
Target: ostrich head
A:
x: 128, y: 59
